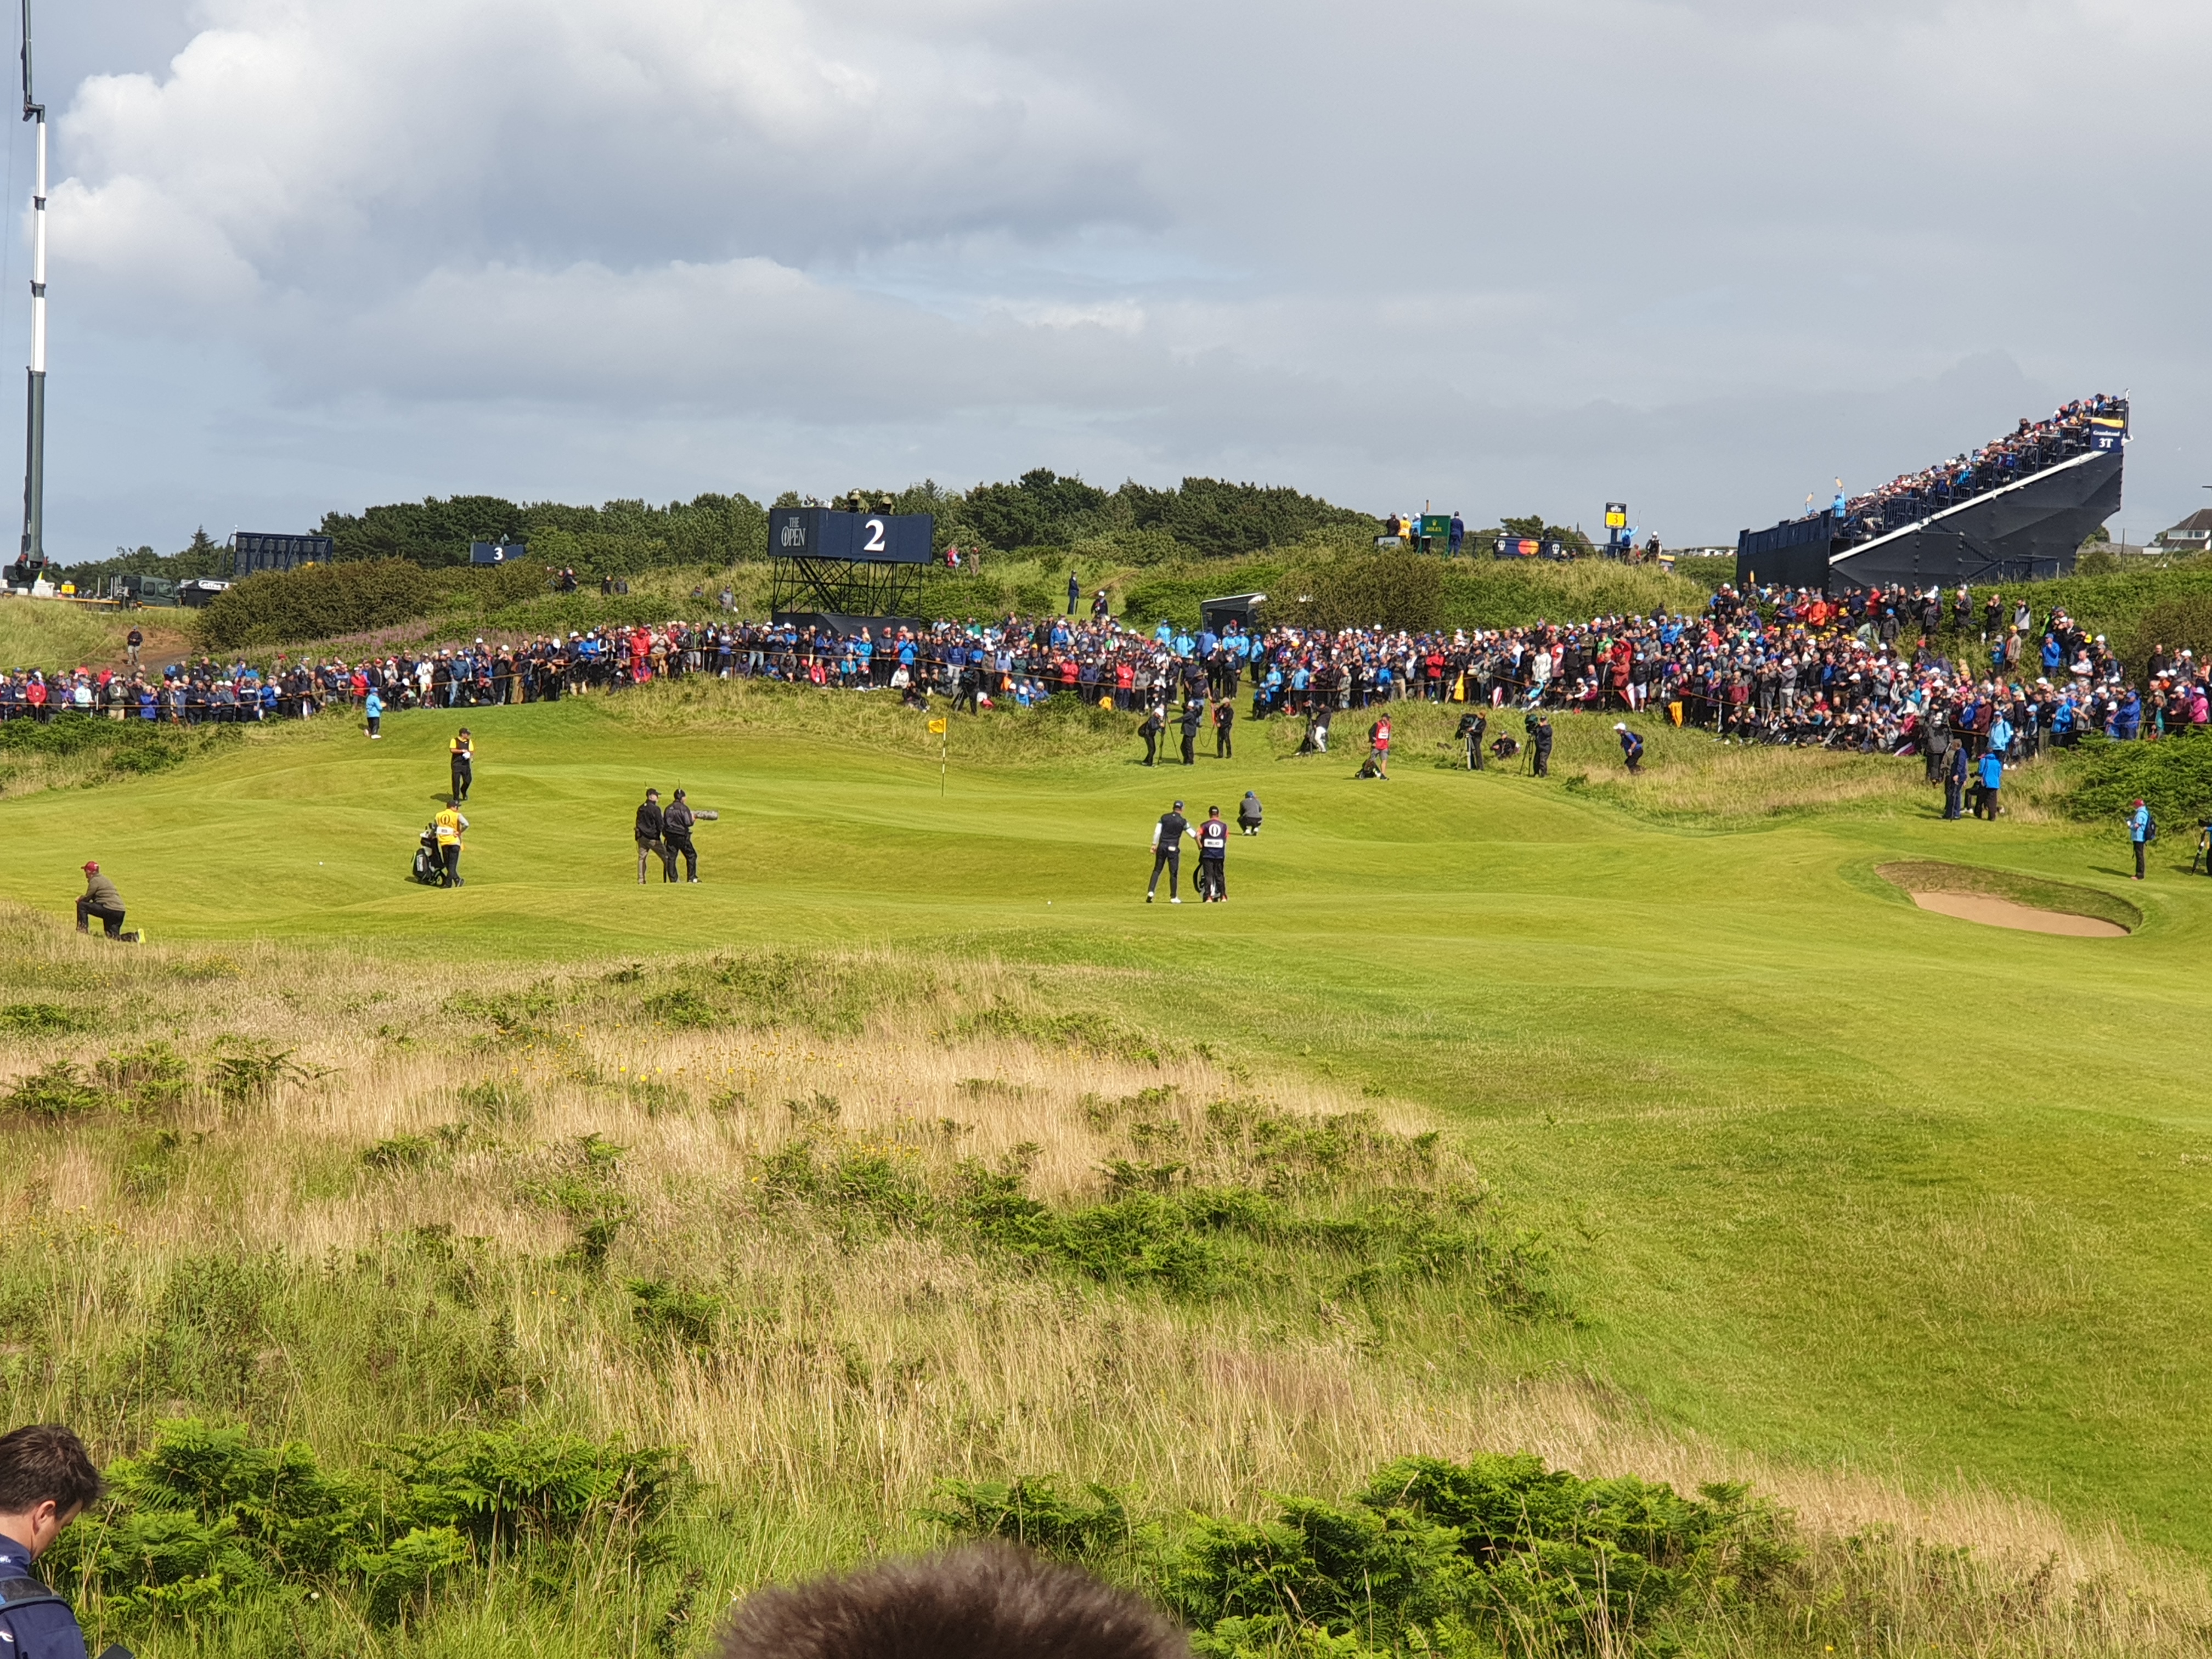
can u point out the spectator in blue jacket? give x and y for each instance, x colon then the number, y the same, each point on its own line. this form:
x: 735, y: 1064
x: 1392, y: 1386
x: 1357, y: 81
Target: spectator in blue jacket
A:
x: 2139, y: 832
x: 1992, y: 781
x: 1631, y: 746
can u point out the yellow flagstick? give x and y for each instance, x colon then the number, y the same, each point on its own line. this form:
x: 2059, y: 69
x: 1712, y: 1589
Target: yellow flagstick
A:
x: 943, y: 743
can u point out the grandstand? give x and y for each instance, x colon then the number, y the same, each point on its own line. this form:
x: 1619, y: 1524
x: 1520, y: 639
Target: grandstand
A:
x: 2013, y: 510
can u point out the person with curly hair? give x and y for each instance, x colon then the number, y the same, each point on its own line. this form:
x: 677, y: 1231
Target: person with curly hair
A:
x: 990, y: 1601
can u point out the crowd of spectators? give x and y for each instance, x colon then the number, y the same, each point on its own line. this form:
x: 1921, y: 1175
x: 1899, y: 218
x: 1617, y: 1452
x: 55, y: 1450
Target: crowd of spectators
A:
x: 2029, y: 448
x: 1895, y: 672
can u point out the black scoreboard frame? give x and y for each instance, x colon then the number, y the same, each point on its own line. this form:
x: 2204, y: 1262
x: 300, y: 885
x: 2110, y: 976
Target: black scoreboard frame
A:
x: 847, y: 564
x: 253, y: 552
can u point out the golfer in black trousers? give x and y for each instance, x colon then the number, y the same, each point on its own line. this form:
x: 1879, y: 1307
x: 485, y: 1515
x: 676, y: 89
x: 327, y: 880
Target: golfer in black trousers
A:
x: 463, y: 750
x: 1167, y: 852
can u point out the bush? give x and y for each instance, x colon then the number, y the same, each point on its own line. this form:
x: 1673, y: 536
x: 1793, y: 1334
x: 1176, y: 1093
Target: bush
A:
x: 2174, y: 777
x: 152, y: 1077
x: 55, y: 1092
x: 682, y: 1008
x: 280, y: 607
x: 400, y: 1580
x: 1030, y: 1511
x: 1360, y: 590
x: 133, y: 747
x: 248, y: 1070
x: 207, y: 1520
x: 1515, y: 592
x: 1500, y: 1553
x: 2181, y: 621
x: 521, y: 1487
x: 1256, y: 1197
x: 673, y: 1313
x: 621, y: 536
x: 1176, y: 595
x: 38, y: 1019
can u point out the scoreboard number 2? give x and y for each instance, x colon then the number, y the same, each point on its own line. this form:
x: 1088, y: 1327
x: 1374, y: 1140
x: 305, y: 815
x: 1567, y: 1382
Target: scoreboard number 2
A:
x: 875, y: 542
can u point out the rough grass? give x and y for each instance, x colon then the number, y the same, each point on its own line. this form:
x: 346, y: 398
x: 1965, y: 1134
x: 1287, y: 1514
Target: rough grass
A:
x: 75, y: 751
x: 364, y: 1208
x: 54, y: 634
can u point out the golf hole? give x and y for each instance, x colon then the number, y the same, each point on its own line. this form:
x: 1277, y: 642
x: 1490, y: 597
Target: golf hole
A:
x: 1995, y: 898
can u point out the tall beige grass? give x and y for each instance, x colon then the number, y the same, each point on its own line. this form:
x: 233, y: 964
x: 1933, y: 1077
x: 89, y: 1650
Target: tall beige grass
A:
x: 856, y: 1372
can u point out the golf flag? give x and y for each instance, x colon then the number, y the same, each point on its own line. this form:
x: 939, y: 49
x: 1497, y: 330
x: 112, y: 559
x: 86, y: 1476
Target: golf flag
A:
x: 937, y: 728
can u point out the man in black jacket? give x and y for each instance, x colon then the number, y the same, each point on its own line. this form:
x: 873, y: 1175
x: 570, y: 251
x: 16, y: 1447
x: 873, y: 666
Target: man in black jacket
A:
x: 652, y: 825
x: 676, y: 840
x: 1473, y: 725
x: 1193, y: 713
x: 1213, y: 859
x: 1167, y: 852
x: 1224, y: 718
x: 1150, y: 728
x: 1540, y: 737
x: 464, y: 763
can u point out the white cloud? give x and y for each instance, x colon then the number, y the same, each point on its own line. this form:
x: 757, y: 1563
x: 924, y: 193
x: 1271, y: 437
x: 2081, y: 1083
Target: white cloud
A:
x: 338, y: 146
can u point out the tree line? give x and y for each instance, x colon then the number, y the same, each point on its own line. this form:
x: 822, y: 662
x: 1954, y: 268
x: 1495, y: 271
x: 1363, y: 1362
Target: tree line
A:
x: 1041, y: 511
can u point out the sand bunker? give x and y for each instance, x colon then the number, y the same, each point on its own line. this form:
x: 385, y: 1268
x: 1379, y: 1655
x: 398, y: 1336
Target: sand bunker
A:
x: 2004, y: 913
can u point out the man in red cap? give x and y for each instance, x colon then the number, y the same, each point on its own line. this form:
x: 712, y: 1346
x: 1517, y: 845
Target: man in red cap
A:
x: 100, y: 899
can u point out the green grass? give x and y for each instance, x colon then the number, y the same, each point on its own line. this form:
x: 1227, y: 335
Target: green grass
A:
x: 50, y: 634
x: 1823, y: 1177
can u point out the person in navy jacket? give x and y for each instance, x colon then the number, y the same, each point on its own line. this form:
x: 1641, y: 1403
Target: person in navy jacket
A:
x: 46, y: 1480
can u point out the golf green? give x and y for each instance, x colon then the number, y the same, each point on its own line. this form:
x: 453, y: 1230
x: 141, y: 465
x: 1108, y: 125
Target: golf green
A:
x: 1825, y: 1174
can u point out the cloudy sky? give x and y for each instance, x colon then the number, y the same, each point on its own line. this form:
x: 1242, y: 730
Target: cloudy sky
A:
x: 1502, y: 255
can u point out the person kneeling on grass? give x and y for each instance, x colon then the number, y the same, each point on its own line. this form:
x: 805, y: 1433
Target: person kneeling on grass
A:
x: 46, y: 1480
x: 988, y: 1601
x: 100, y: 899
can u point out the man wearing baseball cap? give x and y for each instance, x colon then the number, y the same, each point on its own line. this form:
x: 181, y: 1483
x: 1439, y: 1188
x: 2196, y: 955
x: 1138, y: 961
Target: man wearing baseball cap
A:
x: 100, y: 899
x: 1631, y: 746
x: 1167, y: 852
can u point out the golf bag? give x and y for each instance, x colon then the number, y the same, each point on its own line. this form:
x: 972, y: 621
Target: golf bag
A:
x: 427, y: 869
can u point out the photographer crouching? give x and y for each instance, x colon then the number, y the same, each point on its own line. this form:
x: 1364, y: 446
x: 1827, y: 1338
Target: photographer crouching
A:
x: 100, y: 899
